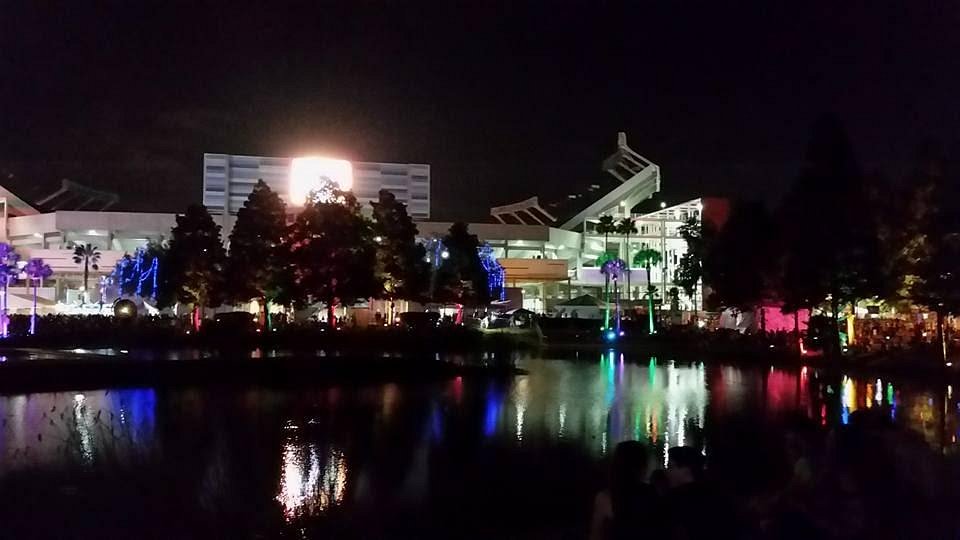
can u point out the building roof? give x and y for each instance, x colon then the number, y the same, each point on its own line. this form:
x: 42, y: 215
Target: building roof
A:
x: 15, y: 205
x: 634, y: 179
x: 74, y: 196
x: 640, y: 179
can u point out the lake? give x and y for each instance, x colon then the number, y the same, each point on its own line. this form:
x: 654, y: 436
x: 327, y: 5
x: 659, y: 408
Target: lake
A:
x: 466, y: 457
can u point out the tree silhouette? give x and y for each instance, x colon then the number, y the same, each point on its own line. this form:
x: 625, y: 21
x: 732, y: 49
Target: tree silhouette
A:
x: 9, y: 270
x: 332, y: 253
x: 461, y: 275
x: 613, y: 269
x: 934, y: 256
x: 195, y: 262
x: 830, y: 234
x: 744, y: 260
x: 689, y: 273
x: 400, y: 259
x: 647, y: 258
x: 606, y: 226
x: 89, y: 256
x: 257, y: 266
x: 627, y: 228
x: 36, y: 271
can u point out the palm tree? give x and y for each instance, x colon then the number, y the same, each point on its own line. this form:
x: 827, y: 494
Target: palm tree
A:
x: 8, y: 272
x: 614, y: 270
x: 647, y: 258
x: 606, y: 226
x: 89, y: 256
x: 626, y: 227
x: 36, y: 271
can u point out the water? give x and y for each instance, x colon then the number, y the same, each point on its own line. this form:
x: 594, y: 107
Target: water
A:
x: 466, y: 457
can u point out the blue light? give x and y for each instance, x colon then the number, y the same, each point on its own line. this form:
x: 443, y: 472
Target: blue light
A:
x: 622, y: 333
x: 495, y: 272
x: 493, y: 406
x: 137, y: 273
x: 610, y: 335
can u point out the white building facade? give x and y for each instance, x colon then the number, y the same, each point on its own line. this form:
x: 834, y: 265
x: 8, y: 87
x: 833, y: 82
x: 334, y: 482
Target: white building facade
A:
x: 229, y: 179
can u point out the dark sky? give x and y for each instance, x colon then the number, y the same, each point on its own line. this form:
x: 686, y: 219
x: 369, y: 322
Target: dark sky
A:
x: 504, y: 100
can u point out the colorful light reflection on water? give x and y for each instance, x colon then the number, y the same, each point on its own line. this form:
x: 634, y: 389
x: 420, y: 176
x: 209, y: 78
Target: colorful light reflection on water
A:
x: 325, y: 449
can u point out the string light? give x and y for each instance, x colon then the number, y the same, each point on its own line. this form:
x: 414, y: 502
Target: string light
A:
x: 124, y: 275
x: 495, y: 272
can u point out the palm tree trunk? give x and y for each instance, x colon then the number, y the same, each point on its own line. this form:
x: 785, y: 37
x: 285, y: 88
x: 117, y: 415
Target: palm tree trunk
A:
x: 4, y: 318
x: 651, y: 328
x: 33, y: 315
x: 86, y: 278
x: 616, y: 296
x: 627, y: 260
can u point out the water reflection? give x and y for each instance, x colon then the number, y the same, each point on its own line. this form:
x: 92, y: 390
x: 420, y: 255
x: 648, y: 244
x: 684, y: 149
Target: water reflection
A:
x: 329, y: 451
x: 75, y: 427
x: 311, y: 480
x: 599, y: 404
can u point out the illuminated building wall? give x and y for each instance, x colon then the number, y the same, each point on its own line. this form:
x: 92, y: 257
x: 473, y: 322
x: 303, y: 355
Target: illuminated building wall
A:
x: 229, y: 179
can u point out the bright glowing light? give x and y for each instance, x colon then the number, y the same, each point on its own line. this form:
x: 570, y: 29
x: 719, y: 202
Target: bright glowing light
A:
x: 444, y: 254
x: 611, y: 335
x: 663, y: 204
x: 311, y: 482
x: 306, y: 175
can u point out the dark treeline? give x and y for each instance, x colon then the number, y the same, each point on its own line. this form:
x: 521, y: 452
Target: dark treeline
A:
x: 839, y: 236
x: 329, y: 254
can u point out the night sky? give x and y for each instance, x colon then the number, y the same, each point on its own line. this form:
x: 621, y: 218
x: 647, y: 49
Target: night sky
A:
x: 504, y: 101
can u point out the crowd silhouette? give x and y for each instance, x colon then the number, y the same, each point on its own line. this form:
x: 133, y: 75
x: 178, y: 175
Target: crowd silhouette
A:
x: 869, y: 479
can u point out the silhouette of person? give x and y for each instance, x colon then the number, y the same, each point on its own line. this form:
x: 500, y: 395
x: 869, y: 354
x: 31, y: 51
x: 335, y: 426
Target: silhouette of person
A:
x: 689, y: 493
x: 630, y: 506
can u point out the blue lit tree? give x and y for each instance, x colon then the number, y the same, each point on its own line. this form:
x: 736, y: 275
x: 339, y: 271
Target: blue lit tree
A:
x: 138, y: 274
x: 8, y: 272
x: 495, y: 272
x: 36, y: 271
x: 461, y: 277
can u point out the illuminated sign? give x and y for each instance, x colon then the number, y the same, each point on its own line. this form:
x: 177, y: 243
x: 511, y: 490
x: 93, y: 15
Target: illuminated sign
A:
x: 308, y: 173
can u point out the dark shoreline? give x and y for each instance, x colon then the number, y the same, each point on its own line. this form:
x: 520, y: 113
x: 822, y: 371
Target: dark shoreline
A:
x: 99, y: 371
x: 374, y: 357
